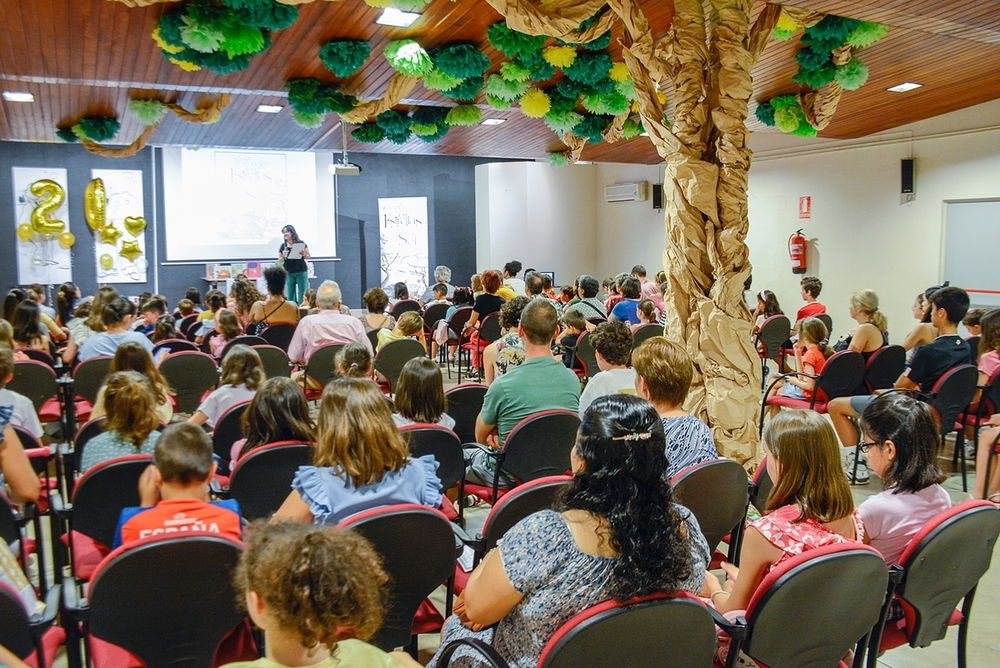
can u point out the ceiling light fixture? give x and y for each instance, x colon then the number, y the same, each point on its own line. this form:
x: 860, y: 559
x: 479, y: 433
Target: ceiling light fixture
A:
x: 493, y: 121
x: 269, y: 108
x: 11, y: 96
x: 393, y: 17
x: 904, y: 87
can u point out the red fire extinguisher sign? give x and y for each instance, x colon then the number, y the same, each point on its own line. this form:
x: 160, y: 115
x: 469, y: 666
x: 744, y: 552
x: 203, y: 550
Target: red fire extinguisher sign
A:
x: 805, y: 207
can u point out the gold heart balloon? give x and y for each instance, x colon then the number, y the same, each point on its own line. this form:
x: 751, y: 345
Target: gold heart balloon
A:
x: 135, y: 225
x: 52, y: 195
x: 95, y: 205
x: 130, y: 250
x: 110, y: 234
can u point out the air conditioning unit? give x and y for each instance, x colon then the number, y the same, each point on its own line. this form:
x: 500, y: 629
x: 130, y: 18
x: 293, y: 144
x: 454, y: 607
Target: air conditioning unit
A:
x: 627, y: 192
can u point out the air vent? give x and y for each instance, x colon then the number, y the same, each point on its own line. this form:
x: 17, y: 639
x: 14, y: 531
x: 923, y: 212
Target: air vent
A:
x: 627, y: 192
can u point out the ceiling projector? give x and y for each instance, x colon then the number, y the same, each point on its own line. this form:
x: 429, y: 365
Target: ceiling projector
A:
x: 344, y: 169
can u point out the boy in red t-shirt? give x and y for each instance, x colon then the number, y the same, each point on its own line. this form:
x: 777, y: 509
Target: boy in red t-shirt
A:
x: 811, y: 287
x: 174, y: 491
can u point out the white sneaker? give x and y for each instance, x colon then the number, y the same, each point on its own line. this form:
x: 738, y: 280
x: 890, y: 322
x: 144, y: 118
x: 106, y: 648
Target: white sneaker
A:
x: 861, y: 477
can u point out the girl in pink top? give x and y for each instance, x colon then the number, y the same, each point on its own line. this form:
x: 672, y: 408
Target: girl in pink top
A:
x: 811, y: 506
x: 811, y: 350
x: 900, y: 436
x: 989, y: 362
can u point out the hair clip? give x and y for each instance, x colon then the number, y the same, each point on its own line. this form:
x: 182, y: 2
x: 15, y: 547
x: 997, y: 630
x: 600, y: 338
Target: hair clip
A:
x: 644, y: 436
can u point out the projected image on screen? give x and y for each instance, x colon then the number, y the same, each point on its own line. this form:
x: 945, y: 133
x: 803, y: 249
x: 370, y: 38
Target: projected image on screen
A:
x: 231, y: 205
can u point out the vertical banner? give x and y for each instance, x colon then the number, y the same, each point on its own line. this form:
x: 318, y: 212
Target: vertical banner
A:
x: 403, y: 236
x: 41, y: 216
x: 120, y: 250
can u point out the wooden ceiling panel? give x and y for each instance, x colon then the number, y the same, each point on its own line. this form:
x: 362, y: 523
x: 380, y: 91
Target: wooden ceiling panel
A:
x: 92, y: 56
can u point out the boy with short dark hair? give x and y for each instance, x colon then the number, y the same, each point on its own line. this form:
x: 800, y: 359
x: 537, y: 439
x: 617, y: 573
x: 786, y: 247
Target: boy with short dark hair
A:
x: 24, y: 414
x: 811, y: 287
x: 440, y: 293
x: 149, y: 313
x: 173, y: 491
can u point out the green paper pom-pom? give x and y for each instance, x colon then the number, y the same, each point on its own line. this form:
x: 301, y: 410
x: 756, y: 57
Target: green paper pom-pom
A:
x: 147, y: 112
x: 407, y: 57
x: 430, y: 115
x: 67, y: 135
x: 866, y: 34
x: 512, y: 71
x: 305, y: 96
x: 784, y: 101
x: 852, y: 75
x: 804, y: 130
x: 782, y: 34
x: 99, y: 128
x: 600, y: 43
x: 592, y: 127
x: 265, y: 14
x: 590, y: 68
x: 368, y: 133
x: 765, y: 114
x: 498, y: 102
x: 240, y: 39
x: 631, y: 128
x: 506, y: 90
x: 511, y: 42
x: 308, y: 120
x: 816, y: 78
x: 393, y: 122
x: 626, y: 89
x: 170, y: 25
x: 539, y: 68
x: 336, y: 101
x: 561, y: 99
x: 467, y: 90
x: 398, y: 137
x: 787, y: 119
x: 219, y: 63
x: 562, y: 121
x: 557, y: 158
x: 810, y: 59
x: 442, y: 130
x: 201, y: 38
x: 438, y: 80
x: 422, y: 130
x: 821, y: 44
x: 460, y: 60
x: 614, y: 103
x: 833, y: 28
x: 344, y: 57
x: 592, y: 102
x: 463, y: 114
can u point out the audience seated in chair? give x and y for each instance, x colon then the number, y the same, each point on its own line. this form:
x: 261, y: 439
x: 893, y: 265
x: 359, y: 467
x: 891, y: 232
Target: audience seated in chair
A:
x: 647, y: 313
x: 767, y: 306
x: 512, y: 285
x: 573, y: 325
x: 28, y: 327
x: 989, y: 363
x: 116, y: 317
x: 647, y: 288
x: 327, y: 326
x: 810, y: 287
x: 948, y: 306
x: 275, y: 309
x: 355, y: 361
x: 133, y: 357
x: 488, y: 302
x: 149, y: 313
x: 442, y: 276
x: 534, y: 288
x: 410, y: 324
x: 811, y: 506
x: 506, y: 352
x: 663, y: 373
x: 23, y: 410
x: 555, y: 563
x: 925, y: 331
x: 278, y: 412
x: 539, y: 383
x: 306, y: 587
x: 626, y: 309
x: 243, y: 297
x: 227, y: 328
x: 173, y: 491
x: 811, y: 352
x: 375, y: 300
x: 17, y: 477
x: 872, y: 330
x: 131, y: 424
x: 242, y: 374
x: 419, y: 396
x: 361, y: 460
x: 206, y: 319
x: 612, y: 343
x: 589, y: 304
x: 165, y: 329
x: 439, y: 293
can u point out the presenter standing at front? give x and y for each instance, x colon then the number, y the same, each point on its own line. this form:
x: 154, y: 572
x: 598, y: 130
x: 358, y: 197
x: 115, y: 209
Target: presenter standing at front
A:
x: 292, y: 255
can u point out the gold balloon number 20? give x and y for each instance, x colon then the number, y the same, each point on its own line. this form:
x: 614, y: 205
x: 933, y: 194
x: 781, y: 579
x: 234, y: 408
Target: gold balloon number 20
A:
x: 53, y: 196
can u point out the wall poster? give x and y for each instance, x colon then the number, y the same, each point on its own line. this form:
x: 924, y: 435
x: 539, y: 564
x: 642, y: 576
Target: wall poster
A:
x: 403, y: 237
x: 41, y: 201
x: 121, y: 254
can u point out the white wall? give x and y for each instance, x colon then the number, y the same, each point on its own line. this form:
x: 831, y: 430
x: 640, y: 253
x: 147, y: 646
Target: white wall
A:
x: 628, y: 233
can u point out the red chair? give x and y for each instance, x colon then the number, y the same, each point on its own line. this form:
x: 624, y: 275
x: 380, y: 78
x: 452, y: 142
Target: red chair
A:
x: 228, y: 430
x: 717, y: 494
x: 884, y: 367
x: 811, y: 609
x: 432, y: 315
x: 456, y: 332
x: 465, y: 403
x: 322, y: 368
x: 88, y: 377
x: 262, y: 480
x: 274, y: 360
x: 771, y: 336
x: 761, y: 486
x: 940, y: 567
x: 586, y: 355
x: 190, y: 374
x: 674, y: 630
x: 486, y: 333
x: 402, y: 306
x: 645, y: 332
x: 389, y: 361
x: 443, y: 444
x: 399, y: 533
x: 537, y: 446
x: 38, y: 356
x: 37, y: 381
x: 174, y: 346
x: 189, y: 576
x: 988, y: 404
x: 187, y: 326
x: 33, y: 639
x: 279, y: 335
x: 242, y: 340
x: 842, y: 376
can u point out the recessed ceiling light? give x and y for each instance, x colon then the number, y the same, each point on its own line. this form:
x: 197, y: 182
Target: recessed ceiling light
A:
x: 493, y: 121
x: 11, y: 96
x: 393, y: 17
x: 903, y: 87
x: 269, y: 108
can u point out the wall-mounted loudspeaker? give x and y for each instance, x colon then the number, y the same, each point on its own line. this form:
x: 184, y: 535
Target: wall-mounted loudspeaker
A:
x: 657, y: 196
x: 906, y: 172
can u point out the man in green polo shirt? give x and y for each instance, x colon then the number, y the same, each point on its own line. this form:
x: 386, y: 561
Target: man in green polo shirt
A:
x: 539, y: 383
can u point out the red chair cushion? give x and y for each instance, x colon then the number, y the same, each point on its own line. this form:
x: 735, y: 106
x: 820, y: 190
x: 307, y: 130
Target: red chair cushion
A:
x: 897, y: 634
x: 51, y: 410
x: 448, y: 508
x: 485, y: 492
x: 789, y: 402
x: 52, y: 640
x: 87, y: 554
x: 107, y: 655
x: 427, y: 619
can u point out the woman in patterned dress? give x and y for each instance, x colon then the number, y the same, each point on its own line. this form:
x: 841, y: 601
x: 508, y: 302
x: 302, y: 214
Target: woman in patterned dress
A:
x: 553, y: 564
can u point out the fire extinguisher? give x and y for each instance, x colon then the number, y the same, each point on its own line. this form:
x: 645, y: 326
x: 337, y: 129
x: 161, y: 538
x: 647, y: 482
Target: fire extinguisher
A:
x: 797, y: 252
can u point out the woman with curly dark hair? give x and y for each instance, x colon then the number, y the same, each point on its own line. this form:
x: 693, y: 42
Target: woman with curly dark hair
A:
x: 244, y: 295
x: 506, y: 352
x: 553, y: 564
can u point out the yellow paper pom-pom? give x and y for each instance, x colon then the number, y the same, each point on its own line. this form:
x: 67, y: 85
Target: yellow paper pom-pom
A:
x: 169, y: 48
x: 661, y: 97
x: 785, y: 23
x: 559, y: 56
x: 619, y: 72
x: 185, y: 65
x: 534, y: 103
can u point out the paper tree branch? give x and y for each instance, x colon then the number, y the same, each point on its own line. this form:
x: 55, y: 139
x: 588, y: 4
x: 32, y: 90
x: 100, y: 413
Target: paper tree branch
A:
x: 399, y: 87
